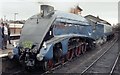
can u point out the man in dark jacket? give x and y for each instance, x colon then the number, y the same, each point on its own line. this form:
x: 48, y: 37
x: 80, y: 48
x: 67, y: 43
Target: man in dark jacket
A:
x: 8, y: 33
x: 1, y: 37
x: 2, y: 27
x: 5, y: 37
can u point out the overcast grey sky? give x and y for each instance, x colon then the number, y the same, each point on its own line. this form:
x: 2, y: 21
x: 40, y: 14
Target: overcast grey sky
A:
x: 105, y: 9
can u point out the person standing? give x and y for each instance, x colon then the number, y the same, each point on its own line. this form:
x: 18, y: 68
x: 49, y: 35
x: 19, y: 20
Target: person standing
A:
x: 8, y: 33
x: 5, y: 36
x: 1, y: 39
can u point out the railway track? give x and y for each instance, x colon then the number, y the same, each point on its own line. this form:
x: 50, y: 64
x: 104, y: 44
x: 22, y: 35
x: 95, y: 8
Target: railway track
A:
x: 100, y: 57
x: 113, y: 67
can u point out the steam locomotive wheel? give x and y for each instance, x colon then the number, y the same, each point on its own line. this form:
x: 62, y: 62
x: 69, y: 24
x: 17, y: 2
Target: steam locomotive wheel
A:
x: 48, y: 65
x: 70, y: 55
x: 83, y: 48
x: 78, y: 51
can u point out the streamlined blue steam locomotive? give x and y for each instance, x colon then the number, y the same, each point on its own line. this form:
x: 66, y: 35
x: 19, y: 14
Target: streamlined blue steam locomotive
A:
x: 53, y: 37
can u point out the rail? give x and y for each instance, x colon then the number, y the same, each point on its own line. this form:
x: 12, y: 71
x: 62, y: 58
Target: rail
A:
x: 114, y: 65
x: 84, y: 71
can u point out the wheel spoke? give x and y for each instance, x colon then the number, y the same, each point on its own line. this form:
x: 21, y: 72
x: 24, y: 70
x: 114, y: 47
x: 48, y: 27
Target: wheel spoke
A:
x: 83, y: 48
x: 77, y: 51
x: 79, y: 48
x: 50, y: 64
x: 70, y: 55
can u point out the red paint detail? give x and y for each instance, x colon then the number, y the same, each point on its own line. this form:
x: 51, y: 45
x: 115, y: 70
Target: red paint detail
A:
x: 70, y: 54
x: 50, y: 64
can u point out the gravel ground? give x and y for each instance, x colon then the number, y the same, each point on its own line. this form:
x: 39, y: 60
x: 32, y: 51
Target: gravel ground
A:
x: 9, y: 66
